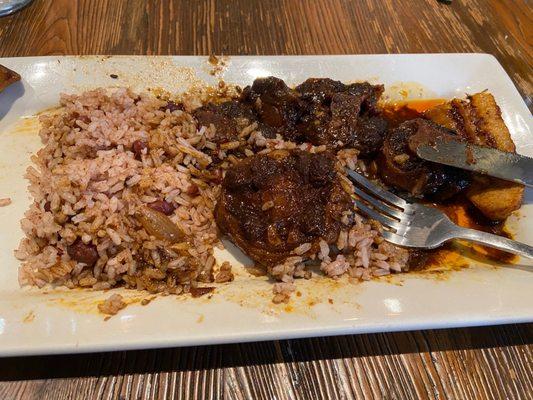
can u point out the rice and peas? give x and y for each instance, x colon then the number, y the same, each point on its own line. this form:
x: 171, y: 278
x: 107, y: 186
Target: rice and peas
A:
x: 111, y: 157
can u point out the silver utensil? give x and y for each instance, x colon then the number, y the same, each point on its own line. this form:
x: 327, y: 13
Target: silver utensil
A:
x: 485, y: 160
x: 416, y: 225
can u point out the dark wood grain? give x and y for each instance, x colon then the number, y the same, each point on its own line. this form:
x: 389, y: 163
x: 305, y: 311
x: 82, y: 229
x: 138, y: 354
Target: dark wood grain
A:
x: 475, y: 363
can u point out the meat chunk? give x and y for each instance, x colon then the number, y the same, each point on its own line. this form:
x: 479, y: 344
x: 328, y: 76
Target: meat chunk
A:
x: 320, y: 111
x: 272, y: 203
x: 479, y: 121
x: 331, y: 125
x: 322, y: 90
x: 341, y: 115
x: 7, y: 77
x: 400, y: 166
x: 277, y: 106
x: 227, y: 118
x: 348, y: 128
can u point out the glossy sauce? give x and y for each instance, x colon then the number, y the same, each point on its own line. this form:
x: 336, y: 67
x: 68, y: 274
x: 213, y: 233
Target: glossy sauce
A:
x: 398, y: 112
x: 464, y: 214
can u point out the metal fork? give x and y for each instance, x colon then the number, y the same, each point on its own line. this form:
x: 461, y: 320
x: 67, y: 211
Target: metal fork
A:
x: 416, y: 225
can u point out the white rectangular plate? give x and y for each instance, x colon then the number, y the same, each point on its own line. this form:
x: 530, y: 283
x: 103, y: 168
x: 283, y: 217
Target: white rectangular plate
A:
x: 33, y: 322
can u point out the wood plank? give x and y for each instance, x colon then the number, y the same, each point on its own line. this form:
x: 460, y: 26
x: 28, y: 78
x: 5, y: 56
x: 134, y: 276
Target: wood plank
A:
x: 480, y: 363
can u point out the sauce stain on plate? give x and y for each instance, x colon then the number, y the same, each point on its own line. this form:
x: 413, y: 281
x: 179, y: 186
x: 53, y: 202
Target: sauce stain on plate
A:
x: 29, y: 317
x: 26, y: 126
x: 309, y: 293
x: 87, y: 302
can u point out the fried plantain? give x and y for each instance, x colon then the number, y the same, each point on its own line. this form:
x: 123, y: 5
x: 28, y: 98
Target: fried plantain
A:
x: 478, y: 119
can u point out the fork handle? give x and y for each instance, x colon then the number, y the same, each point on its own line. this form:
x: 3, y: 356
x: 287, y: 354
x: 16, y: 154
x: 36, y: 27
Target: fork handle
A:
x: 495, y: 241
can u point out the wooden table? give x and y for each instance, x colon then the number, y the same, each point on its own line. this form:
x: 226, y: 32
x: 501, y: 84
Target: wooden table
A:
x: 473, y: 363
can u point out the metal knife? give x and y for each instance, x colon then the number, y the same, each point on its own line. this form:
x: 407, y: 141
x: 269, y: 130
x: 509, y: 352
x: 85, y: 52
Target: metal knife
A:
x: 484, y: 160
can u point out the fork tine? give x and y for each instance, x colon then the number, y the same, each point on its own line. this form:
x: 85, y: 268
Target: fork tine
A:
x: 377, y: 191
x: 386, y: 221
x: 394, y: 238
x: 378, y: 204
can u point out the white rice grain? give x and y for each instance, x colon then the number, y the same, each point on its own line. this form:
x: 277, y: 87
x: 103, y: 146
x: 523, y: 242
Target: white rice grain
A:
x: 115, y: 237
x: 303, y: 248
x: 342, y: 240
x: 324, y: 250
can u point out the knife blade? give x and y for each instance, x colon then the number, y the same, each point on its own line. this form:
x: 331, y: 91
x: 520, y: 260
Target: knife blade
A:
x: 484, y: 160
